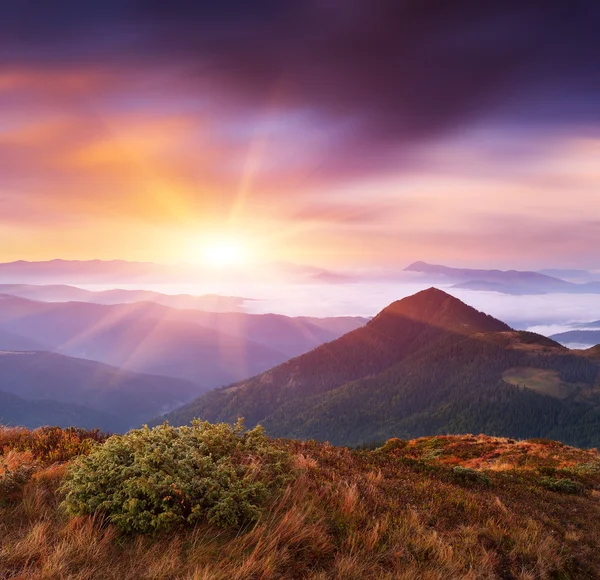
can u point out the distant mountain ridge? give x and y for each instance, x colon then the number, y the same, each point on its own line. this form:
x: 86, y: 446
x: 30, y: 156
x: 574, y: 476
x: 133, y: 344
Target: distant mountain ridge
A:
x: 66, y: 293
x: 424, y: 365
x: 504, y: 281
x: 582, y: 337
x: 17, y: 411
x: 22, y: 271
x: 10, y: 341
x: 113, y: 396
x: 210, y: 349
x: 117, y: 272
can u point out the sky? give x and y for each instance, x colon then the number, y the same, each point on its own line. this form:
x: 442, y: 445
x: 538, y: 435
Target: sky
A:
x: 345, y: 134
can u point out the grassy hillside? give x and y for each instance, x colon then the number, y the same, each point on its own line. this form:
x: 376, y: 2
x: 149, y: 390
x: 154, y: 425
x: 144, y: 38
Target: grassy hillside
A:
x: 432, y: 508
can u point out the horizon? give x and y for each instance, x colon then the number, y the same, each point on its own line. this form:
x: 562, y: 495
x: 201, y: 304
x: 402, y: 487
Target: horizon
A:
x: 552, y: 269
x: 305, y: 291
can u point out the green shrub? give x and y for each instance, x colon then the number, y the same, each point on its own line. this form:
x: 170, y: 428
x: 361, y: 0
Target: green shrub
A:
x: 156, y: 479
x: 591, y: 468
x: 546, y: 470
x: 468, y: 475
x: 561, y: 485
x: 392, y: 445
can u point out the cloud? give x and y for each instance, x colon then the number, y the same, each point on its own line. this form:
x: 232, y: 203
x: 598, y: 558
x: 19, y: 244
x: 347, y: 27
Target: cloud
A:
x: 408, y: 121
x: 391, y: 70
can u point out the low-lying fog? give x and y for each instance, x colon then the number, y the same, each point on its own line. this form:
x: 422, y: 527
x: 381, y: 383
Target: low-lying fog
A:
x: 547, y: 313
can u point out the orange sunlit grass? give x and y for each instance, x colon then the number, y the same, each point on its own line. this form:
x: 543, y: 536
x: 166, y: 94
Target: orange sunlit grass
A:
x: 430, y: 508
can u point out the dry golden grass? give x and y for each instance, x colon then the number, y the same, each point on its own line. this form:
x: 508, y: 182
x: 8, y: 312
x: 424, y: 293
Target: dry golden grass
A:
x: 400, y: 513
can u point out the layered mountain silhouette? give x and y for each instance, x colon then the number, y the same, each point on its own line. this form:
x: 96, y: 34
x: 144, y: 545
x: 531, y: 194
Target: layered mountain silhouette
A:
x: 72, y: 391
x: 209, y: 348
x: 66, y: 293
x: 18, y: 411
x: 82, y: 271
x: 583, y: 337
x: 503, y: 281
x: 14, y: 342
x: 426, y: 364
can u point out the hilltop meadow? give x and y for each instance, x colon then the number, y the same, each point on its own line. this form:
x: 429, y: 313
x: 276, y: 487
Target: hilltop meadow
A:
x: 220, y: 502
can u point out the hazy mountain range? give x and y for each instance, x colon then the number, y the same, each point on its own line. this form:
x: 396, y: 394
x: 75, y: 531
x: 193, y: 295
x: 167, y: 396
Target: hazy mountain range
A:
x: 207, y: 348
x: 578, y: 337
x: 51, y: 279
x: 115, y: 272
x: 65, y: 293
x: 504, y: 281
x: 426, y: 364
x: 83, y: 271
x: 134, y: 361
x: 85, y: 390
x: 15, y: 410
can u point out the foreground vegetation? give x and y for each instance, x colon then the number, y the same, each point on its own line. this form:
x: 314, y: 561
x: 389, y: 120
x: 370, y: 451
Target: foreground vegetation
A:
x: 432, y: 508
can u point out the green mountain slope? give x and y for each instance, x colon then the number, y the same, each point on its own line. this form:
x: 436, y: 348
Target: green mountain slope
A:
x: 427, y: 364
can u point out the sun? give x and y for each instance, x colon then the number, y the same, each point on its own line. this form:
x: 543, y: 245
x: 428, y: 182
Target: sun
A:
x: 224, y: 253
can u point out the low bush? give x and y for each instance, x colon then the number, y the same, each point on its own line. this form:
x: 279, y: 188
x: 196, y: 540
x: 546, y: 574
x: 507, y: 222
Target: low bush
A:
x: 468, y: 475
x: 392, y: 445
x: 156, y: 479
x: 15, y: 471
x: 50, y: 444
x: 561, y: 485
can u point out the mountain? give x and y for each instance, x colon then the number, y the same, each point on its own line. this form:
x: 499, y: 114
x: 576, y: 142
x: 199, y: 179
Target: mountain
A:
x: 504, y: 281
x: 593, y: 353
x: 499, y: 276
x: 11, y: 341
x: 587, y: 325
x: 173, y: 348
x: 65, y: 293
x: 484, y: 286
x: 17, y: 411
x: 118, y: 273
x: 572, y: 275
x: 426, y: 364
x: 578, y: 337
x: 208, y: 348
x: 131, y: 397
x: 81, y: 271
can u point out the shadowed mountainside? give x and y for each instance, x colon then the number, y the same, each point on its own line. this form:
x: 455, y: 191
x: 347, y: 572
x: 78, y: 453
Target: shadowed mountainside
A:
x: 210, y: 349
x: 426, y: 364
x: 129, y: 398
x: 15, y: 410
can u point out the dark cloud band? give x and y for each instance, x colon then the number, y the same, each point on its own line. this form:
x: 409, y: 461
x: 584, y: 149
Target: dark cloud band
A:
x: 394, y: 70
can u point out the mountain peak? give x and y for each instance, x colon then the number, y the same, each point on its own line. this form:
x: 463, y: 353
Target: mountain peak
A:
x: 437, y: 308
x: 419, y: 266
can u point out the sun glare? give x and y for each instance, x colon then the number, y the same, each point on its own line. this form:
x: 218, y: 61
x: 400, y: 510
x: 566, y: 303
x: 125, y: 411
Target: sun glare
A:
x: 224, y: 253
